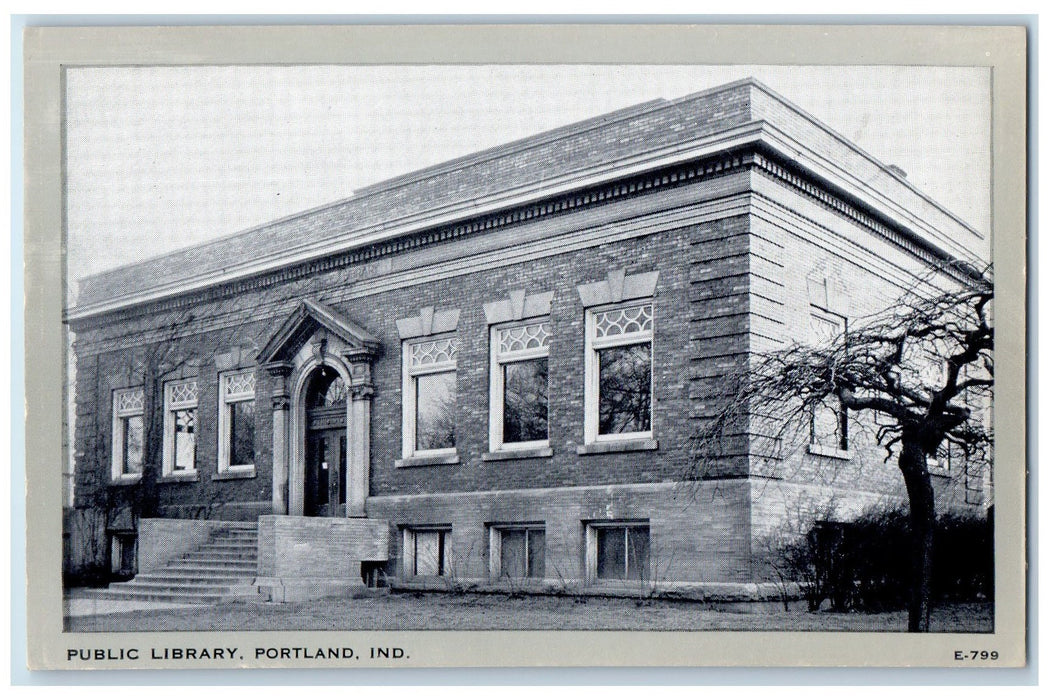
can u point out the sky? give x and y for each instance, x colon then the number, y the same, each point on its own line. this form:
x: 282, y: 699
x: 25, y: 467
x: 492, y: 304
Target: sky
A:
x: 160, y: 158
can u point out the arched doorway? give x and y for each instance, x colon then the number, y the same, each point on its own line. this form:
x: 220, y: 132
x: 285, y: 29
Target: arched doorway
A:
x: 313, y: 346
x: 324, y: 487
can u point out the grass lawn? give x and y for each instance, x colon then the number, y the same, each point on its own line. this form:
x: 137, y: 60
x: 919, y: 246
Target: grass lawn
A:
x: 439, y: 611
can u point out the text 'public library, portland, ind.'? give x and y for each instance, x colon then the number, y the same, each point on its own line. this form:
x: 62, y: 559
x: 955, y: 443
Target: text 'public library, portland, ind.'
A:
x: 489, y: 371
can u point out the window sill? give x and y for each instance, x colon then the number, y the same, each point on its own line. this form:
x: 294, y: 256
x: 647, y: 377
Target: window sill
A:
x: 832, y: 452
x: 427, y: 460
x: 230, y: 475
x: 610, y: 446
x: 175, y: 478
x: 618, y: 584
x: 508, y: 454
x: 125, y: 480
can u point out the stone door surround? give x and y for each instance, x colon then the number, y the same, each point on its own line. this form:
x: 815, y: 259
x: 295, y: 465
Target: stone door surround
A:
x: 316, y: 335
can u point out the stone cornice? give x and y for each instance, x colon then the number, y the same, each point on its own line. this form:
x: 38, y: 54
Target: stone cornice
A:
x: 744, y: 151
x: 922, y: 249
x: 796, y: 148
x: 554, y: 196
x: 684, y: 211
x: 896, y: 202
x: 554, y: 206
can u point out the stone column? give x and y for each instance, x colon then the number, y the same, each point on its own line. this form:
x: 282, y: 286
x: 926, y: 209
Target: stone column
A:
x: 281, y: 403
x: 359, y: 468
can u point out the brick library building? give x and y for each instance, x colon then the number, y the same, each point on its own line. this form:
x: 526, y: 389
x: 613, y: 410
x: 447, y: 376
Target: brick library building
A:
x: 490, y: 371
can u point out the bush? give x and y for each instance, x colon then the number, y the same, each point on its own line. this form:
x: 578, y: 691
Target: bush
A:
x: 963, y: 558
x: 866, y: 564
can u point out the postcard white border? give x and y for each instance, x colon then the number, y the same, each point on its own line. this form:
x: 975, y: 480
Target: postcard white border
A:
x: 48, y: 49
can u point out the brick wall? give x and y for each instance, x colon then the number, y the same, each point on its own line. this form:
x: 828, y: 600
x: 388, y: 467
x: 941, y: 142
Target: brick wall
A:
x: 559, y: 274
x: 245, y: 322
x: 181, y: 356
x: 721, y: 325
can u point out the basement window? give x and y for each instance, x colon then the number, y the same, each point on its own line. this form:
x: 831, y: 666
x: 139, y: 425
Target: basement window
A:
x: 426, y: 551
x: 518, y: 551
x: 618, y: 551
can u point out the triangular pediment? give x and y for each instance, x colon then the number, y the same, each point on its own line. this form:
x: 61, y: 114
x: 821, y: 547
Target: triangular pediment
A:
x: 304, y: 322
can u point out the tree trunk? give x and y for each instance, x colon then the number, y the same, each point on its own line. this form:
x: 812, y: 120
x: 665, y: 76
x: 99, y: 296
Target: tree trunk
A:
x: 922, y: 521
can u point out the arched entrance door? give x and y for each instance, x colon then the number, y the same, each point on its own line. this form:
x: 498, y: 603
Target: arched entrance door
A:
x: 324, y: 492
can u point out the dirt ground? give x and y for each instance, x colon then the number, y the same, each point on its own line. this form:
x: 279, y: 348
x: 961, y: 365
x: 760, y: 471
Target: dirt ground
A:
x: 437, y: 611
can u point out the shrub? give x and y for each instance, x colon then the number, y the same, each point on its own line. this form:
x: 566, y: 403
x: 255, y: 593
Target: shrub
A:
x: 866, y: 564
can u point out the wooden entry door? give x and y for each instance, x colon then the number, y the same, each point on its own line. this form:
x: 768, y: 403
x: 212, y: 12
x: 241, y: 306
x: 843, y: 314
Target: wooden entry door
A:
x: 325, y: 492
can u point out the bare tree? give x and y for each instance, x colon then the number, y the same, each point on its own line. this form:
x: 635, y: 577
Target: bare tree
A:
x: 925, y: 365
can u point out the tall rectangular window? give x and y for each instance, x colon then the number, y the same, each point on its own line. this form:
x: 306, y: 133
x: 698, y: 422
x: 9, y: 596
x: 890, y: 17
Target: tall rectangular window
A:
x: 618, y: 402
x: 519, y: 400
x: 180, y: 428
x: 237, y: 422
x: 829, y: 422
x: 429, y: 397
x: 128, y: 434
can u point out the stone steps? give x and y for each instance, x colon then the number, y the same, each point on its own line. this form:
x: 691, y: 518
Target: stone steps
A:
x: 222, y: 568
x: 210, y: 556
x: 137, y: 586
x: 218, y: 578
x: 159, y: 597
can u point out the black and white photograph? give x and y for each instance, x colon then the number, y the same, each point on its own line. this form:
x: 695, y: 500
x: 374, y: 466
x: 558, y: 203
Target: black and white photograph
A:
x: 627, y: 347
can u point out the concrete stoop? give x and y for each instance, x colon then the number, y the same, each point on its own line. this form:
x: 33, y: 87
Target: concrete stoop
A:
x: 303, y: 558
x: 222, y: 569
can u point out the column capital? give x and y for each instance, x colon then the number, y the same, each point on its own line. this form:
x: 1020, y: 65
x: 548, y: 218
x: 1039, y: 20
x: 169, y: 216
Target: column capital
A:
x: 360, y: 364
x: 280, y: 371
x: 362, y: 392
x: 358, y: 356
